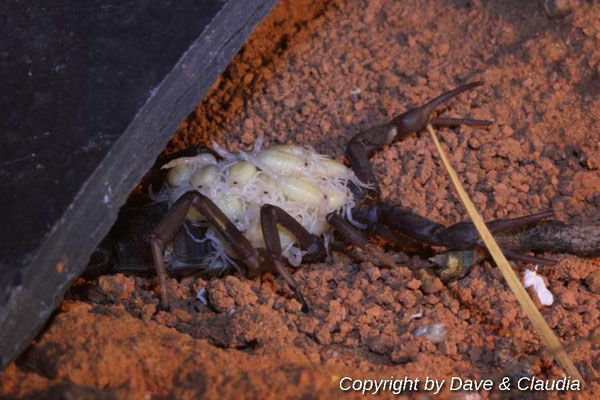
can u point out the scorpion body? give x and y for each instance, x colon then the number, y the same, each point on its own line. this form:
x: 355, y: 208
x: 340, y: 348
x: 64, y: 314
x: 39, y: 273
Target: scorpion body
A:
x: 266, y: 205
x: 256, y: 209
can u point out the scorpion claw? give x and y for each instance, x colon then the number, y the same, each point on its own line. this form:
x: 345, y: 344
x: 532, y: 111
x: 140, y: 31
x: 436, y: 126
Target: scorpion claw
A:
x: 500, y: 225
x: 411, y: 121
x: 460, y: 121
x: 415, y: 119
x: 444, y: 97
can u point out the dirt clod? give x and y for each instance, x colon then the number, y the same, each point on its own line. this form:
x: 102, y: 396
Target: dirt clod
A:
x: 116, y: 287
x: 593, y: 282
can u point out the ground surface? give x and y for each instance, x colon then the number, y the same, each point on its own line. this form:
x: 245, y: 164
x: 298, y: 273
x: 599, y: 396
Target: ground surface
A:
x: 317, y: 74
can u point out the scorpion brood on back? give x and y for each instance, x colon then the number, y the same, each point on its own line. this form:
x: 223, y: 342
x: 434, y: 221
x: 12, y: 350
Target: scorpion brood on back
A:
x: 274, y: 197
x: 258, y: 207
x: 307, y: 185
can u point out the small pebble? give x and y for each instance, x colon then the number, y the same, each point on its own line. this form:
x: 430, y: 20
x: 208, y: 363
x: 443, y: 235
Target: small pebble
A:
x: 436, y: 332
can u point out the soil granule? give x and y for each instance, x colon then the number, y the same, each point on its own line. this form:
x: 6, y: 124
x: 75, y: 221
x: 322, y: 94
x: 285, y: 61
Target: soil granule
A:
x: 317, y: 73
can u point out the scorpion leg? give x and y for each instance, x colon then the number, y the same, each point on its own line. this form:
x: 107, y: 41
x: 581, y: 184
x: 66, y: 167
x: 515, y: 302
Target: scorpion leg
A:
x: 462, y: 235
x: 403, y: 242
x: 270, y: 216
x: 364, y: 143
x: 167, y: 228
x: 355, y: 237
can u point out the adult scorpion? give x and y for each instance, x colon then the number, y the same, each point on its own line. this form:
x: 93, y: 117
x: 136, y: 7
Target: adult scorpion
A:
x: 255, y: 208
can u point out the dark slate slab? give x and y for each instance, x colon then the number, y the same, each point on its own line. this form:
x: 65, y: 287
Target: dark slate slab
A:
x: 90, y: 92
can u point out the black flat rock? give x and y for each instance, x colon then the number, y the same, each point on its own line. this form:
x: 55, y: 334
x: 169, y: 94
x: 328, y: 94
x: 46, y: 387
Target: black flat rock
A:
x: 90, y: 94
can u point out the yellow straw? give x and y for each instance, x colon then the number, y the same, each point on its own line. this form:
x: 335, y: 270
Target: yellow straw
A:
x: 511, y: 278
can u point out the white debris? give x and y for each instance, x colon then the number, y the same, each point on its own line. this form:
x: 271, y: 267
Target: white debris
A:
x: 417, y: 315
x: 531, y: 278
x: 202, y: 296
x: 436, y: 332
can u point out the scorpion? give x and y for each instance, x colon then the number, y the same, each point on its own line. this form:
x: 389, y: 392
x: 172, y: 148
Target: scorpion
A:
x: 256, y: 208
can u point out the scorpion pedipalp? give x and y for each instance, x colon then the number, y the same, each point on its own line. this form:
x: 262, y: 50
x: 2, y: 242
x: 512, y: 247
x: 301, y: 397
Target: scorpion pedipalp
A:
x: 364, y: 143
